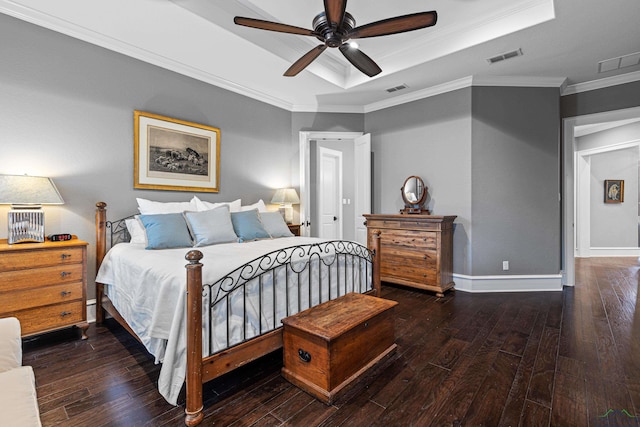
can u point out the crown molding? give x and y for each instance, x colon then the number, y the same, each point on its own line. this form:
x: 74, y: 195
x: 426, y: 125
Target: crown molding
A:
x: 602, y: 83
x: 518, y: 81
x: 419, y: 94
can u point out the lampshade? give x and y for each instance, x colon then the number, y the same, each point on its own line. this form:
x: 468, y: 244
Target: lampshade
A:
x: 26, y: 194
x: 28, y: 190
x: 286, y: 196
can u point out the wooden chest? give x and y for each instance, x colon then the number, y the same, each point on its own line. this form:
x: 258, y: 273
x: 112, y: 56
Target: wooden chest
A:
x: 44, y: 285
x: 328, y: 347
x: 415, y: 250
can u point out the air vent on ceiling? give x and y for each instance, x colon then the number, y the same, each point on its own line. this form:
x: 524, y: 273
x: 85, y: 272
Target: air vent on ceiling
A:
x: 397, y: 88
x: 620, y: 62
x: 503, y: 56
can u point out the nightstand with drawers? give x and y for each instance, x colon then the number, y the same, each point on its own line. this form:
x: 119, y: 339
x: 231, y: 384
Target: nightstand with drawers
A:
x: 44, y: 285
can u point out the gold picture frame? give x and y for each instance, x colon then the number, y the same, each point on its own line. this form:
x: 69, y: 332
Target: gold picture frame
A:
x: 176, y: 155
x: 614, y: 191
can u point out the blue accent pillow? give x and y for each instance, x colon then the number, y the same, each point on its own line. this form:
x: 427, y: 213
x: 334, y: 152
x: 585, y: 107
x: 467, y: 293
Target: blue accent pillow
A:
x: 275, y: 225
x: 211, y: 227
x: 247, y: 225
x: 166, y: 231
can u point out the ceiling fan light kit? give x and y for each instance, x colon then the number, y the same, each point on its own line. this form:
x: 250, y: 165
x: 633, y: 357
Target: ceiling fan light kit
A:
x: 335, y: 27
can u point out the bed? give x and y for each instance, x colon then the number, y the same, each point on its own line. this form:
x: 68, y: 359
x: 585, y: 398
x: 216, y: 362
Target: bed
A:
x: 223, y: 308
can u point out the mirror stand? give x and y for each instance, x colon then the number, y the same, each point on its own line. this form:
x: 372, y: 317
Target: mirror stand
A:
x: 414, y: 194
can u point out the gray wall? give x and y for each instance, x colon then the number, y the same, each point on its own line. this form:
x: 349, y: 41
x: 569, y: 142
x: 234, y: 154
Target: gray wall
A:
x: 600, y: 100
x: 430, y: 138
x: 66, y: 111
x: 614, y: 225
x: 516, y: 180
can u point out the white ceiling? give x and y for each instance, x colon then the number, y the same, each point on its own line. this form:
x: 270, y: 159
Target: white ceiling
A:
x: 562, y: 43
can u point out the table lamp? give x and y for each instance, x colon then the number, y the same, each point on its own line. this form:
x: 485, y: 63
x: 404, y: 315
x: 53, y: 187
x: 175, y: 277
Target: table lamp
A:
x: 285, y: 197
x: 26, y: 195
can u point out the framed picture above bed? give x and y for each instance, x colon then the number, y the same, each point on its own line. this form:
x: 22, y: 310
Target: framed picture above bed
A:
x: 614, y: 191
x: 172, y: 154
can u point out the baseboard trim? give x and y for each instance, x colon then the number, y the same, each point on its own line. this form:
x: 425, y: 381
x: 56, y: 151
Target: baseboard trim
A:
x: 530, y: 283
x: 613, y: 252
x: 91, y: 310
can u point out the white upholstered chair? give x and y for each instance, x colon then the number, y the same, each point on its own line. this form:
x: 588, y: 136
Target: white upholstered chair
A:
x: 18, y: 400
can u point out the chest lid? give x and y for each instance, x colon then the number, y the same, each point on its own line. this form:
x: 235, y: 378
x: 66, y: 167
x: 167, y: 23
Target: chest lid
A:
x: 333, y: 318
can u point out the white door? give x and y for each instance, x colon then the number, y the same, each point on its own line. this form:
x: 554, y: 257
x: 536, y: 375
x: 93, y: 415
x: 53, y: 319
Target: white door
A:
x: 330, y: 193
x: 362, y: 203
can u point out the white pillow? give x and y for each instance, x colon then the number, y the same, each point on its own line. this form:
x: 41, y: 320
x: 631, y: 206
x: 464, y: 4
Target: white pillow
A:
x: 148, y: 207
x: 201, y: 205
x: 258, y: 205
x: 136, y: 230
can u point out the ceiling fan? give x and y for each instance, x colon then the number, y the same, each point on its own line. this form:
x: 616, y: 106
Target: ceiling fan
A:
x: 335, y: 27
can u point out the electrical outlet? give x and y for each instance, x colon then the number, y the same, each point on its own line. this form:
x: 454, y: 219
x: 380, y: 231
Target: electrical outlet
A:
x: 505, y: 265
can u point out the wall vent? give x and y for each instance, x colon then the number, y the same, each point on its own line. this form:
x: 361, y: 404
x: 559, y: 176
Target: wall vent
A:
x: 397, y: 88
x: 503, y: 56
x: 620, y: 62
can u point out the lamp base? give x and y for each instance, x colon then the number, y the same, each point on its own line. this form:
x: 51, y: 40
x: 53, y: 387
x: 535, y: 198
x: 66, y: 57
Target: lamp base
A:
x: 26, y: 226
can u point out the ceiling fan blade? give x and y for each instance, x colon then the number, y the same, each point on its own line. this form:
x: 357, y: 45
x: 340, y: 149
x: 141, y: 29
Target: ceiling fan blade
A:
x: 359, y: 60
x: 334, y: 10
x: 399, y: 24
x: 272, y: 26
x: 307, y: 59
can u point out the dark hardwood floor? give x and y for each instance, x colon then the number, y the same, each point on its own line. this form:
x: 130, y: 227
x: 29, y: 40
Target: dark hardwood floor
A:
x: 566, y: 359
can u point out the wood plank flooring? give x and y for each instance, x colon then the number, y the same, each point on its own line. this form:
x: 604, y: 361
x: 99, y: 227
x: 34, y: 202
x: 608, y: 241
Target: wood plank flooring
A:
x: 568, y: 358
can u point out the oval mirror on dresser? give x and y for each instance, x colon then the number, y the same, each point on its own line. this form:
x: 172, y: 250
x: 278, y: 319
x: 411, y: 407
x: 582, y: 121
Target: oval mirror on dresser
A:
x: 414, y: 194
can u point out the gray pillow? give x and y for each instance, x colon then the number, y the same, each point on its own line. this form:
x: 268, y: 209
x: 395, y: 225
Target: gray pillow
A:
x: 247, y: 225
x: 275, y: 225
x: 211, y: 227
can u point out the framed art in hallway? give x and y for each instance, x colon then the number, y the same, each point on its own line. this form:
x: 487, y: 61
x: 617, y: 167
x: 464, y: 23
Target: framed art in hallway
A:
x: 173, y: 154
x: 614, y: 191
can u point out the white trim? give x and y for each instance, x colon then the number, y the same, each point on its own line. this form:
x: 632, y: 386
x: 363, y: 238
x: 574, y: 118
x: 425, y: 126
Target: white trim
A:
x: 519, y: 81
x: 602, y: 83
x: 420, y: 94
x: 512, y: 283
x: 304, y: 139
x: 607, y: 148
x: 614, y: 252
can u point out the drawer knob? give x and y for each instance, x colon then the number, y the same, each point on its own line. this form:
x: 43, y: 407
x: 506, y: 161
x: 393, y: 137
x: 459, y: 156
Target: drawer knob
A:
x: 65, y: 256
x: 65, y: 274
x: 65, y: 313
x: 366, y: 324
x: 304, y: 355
x: 65, y: 293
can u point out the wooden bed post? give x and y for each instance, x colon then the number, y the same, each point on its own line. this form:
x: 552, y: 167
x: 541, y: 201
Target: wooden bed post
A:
x: 101, y: 250
x: 376, y: 263
x: 193, y: 410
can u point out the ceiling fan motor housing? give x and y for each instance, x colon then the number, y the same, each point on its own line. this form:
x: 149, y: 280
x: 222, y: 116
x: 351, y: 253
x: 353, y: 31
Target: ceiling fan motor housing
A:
x: 332, y: 36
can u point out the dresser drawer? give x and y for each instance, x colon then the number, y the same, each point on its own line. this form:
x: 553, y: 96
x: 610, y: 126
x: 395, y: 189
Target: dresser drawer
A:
x: 42, y: 319
x: 404, y: 224
x: 19, y: 260
x: 38, y: 297
x: 400, y: 267
x: 408, y: 239
x: 36, y: 278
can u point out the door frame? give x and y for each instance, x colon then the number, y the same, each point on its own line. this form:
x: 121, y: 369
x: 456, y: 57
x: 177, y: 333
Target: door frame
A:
x: 304, y: 143
x: 569, y: 201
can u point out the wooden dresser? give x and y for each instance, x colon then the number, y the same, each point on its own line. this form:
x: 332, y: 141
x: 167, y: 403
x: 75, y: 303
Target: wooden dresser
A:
x: 415, y: 250
x: 44, y: 285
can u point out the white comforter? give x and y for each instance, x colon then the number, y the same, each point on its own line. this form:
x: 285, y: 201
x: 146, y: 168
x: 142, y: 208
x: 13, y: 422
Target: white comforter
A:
x: 147, y: 288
